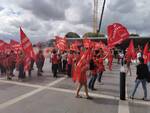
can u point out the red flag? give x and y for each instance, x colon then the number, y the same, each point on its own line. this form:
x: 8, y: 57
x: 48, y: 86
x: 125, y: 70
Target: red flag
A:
x: 131, y: 51
x: 5, y: 46
x: 87, y: 42
x: 15, y: 46
x: 116, y: 34
x: 27, y: 48
x: 61, y: 43
x: 74, y: 46
x: 145, y: 53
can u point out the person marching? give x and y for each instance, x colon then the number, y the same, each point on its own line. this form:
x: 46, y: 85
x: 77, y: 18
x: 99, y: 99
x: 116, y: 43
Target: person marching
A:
x: 79, y: 75
x: 20, y: 65
x: 101, y: 67
x: 110, y: 60
x: 2, y: 57
x: 54, y: 60
x: 39, y: 62
x: 59, y: 63
x: 64, y: 61
x: 13, y: 57
x: 128, y: 63
x: 142, y: 74
x: 93, y: 69
x: 70, y: 58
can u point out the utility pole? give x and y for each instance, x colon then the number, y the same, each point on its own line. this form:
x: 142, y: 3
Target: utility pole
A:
x: 100, y: 23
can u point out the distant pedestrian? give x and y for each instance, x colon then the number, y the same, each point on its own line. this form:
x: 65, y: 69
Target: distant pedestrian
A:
x: 39, y: 62
x: 64, y: 61
x: 54, y: 60
x: 128, y: 63
x: 70, y: 59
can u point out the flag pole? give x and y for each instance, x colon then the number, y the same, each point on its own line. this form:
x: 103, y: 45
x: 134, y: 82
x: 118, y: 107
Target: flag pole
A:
x: 100, y: 23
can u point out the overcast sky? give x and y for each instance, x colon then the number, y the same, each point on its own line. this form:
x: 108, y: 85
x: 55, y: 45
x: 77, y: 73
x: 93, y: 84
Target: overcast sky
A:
x: 43, y: 19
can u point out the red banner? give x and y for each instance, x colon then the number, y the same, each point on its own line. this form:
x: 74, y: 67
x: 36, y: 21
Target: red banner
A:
x: 131, y: 51
x: 117, y: 33
x: 87, y: 43
x: 61, y: 43
x: 145, y: 53
x: 27, y: 48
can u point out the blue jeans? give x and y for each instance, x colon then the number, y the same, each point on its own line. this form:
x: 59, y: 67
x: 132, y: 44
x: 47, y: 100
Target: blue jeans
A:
x: 92, y: 81
x: 137, y: 82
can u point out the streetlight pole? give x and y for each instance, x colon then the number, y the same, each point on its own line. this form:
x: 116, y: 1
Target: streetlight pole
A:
x: 100, y: 23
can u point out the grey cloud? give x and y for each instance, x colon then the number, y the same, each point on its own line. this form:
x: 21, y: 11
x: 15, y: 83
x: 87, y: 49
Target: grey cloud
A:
x: 85, y: 11
x: 47, y: 9
x: 1, y: 8
x: 122, y: 6
x: 32, y: 24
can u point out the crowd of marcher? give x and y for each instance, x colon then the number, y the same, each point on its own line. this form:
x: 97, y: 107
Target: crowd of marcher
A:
x: 67, y: 61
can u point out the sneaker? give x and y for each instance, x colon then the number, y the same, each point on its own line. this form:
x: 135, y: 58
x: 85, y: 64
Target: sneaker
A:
x: 78, y: 96
x: 93, y: 89
x: 131, y: 97
x: 145, y: 99
x: 89, y: 97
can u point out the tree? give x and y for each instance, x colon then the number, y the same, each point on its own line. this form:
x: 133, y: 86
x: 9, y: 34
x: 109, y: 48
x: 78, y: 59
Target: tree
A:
x: 72, y: 35
x: 133, y: 34
x: 91, y: 34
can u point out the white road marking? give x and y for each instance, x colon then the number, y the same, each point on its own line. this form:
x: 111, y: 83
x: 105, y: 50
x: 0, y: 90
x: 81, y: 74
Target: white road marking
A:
x: 142, y: 102
x: 17, y: 99
x: 123, y: 107
x: 55, y: 82
x: 21, y: 83
x: 91, y: 94
x: 49, y: 86
x: 22, y: 97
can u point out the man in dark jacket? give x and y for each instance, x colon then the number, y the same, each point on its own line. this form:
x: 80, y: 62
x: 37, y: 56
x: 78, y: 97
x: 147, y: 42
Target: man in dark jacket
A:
x: 142, y: 73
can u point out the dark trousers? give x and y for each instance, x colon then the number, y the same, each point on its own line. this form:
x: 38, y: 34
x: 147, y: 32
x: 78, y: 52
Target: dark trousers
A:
x: 122, y: 61
x: 21, y: 71
x: 42, y: 66
x: 54, y: 69
x: 3, y: 70
x: 64, y: 65
x: 39, y: 70
x: 12, y: 69
x: 32, y: 64
x: 60, y: 66
x: 92, y: 82
x: 100, y: 76
x: 69, y: 70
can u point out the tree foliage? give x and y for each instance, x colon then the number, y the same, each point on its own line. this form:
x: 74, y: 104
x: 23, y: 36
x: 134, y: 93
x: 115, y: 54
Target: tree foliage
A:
x: 72, y: 35
x: 133, y: 34
x: 91, y: 34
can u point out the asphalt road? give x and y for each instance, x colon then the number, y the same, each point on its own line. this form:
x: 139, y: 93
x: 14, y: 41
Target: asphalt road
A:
x: 50, y: 95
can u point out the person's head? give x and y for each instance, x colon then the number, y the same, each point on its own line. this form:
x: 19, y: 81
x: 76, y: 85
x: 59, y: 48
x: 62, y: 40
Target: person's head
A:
x: 71, y: 52
x: 41, y: 52
x: 54, y: 51
x: 141, y: 60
